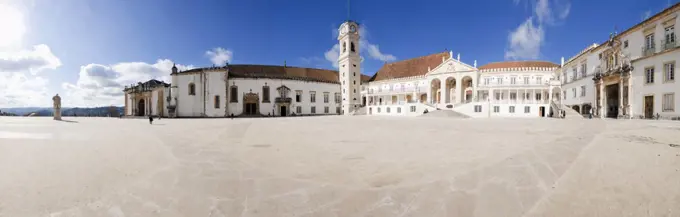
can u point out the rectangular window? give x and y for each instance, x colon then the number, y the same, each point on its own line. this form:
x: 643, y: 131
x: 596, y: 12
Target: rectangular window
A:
x: 539, y: 80
x: 325, y: 109
x: 478, y: 108
x: 496, y: 109
x: 526, y: 79
x: 527, y: 109
x: 312, y: 96
x: 265, y: 94
x: 625, y: 44
x: 538, y: 96
x: 513, y: 80
x: 298, y: 96
x: 325, y: 97
x: 500, y: 80
x: 388, y: 109
x: 574, y: 74
x: 216, y: 101
x: 337, y: 97
x: 669, y: 72
x: 670, y: 34
x: 565, y: 77
x: 398, y: 109
x: 378, y: 109
x: 649, y: 41
x: 234, y: 94
x: 668, y: 104
x: 584, y: 70
x: 512, y: 109
x: 313, y: 109
x: 298, y: 109
x: 487, y: 81
x: 583, y: 91
x: 337, y: 110
x: 649, y: 75
x: 413, y: 108
x: 573, y: 91
x: 564, y: 93
x: 513, y: 96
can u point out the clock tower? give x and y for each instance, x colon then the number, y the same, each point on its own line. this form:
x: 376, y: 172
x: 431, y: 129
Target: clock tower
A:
x: 349, y: 67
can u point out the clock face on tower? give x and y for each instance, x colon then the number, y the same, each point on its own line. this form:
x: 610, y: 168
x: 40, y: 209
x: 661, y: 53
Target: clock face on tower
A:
x: 352, y: 28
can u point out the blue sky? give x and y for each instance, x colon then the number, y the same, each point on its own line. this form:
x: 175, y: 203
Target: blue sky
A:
x: 87, y: 50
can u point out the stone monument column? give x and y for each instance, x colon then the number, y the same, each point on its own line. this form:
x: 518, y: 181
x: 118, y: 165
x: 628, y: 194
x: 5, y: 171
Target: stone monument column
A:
x: 57, y: 107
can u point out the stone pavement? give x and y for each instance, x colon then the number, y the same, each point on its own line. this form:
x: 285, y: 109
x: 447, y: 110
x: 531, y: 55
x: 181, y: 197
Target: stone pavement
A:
x: 339, y: 166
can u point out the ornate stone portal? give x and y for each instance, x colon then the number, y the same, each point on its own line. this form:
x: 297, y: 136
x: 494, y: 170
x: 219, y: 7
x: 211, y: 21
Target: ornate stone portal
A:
x: 56, y: 100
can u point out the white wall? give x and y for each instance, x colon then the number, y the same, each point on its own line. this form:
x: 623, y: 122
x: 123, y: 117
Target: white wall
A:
x: 193, y: 106
x: 592, y: 60
x: 215, y: 87
x: 394, y: 109
x: 504, y: 110
x: 658, y: 88
x: 246, y: 85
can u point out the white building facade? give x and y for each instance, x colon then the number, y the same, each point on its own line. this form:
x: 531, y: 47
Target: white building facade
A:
x: 631, y: 75
x: 239, y: 90
x: 440, y: 82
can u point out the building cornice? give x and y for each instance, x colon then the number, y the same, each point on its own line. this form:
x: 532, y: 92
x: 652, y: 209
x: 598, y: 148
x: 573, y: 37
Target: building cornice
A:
x: 516, y: 69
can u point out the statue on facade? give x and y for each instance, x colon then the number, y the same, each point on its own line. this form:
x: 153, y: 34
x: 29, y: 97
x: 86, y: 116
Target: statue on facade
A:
x: 56, y: 100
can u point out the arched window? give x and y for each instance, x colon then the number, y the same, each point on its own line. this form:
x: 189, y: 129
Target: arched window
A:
x: 344, y: 46
x: 352, y: 47
x: 192, y: 89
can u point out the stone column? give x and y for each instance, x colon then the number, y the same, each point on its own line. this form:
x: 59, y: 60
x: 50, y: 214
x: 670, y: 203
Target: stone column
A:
x: 492, y: 95
x: 125, y: 109
x: 602, y: 100
x: 533, y: 96
x: 620, y: 111
x: 630, y: 97
x: 443, y: 94
x: 550, y: 94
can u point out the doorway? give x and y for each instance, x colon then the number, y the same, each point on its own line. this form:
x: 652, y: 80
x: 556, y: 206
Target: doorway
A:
x: 250, y: 104
x: 541, y: 111
x: 140, y: 108
x: 649, y: 107
x: 612, y: 103
x: 283, y: 111
x: 468, y: 96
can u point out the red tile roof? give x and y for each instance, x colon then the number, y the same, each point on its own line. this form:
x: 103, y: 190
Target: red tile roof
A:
x: 410, y: 67
x: 283, y: 72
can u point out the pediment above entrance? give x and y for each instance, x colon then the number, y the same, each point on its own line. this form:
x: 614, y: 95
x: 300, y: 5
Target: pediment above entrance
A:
x: 451, y: 66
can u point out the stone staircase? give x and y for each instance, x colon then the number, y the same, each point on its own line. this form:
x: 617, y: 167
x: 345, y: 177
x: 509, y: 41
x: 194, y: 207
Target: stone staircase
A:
x: 571, y: 113
x: 360, y: 111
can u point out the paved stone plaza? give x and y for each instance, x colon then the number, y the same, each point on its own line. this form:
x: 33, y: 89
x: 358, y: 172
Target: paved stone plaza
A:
x: 339, y: 166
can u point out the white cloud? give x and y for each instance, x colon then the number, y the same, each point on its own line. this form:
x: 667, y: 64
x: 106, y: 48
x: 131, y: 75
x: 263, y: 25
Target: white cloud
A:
x: 373, y: 50
x: 564, y: 13
x: 102, y: 85
x: 20, y: 90
x: 37, y: 59
x: 332, y: 55
x: 219, y: 56
x: 20, y: 83
x: 646, y: 14
x: 543, y: 11
x: 525, y: 41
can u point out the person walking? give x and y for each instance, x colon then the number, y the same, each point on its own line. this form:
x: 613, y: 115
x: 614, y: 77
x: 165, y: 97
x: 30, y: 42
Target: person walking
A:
x: 150, y: 119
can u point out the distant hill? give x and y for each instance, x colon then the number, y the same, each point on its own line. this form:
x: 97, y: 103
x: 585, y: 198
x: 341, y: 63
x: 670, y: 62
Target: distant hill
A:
x: 41, y: 111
